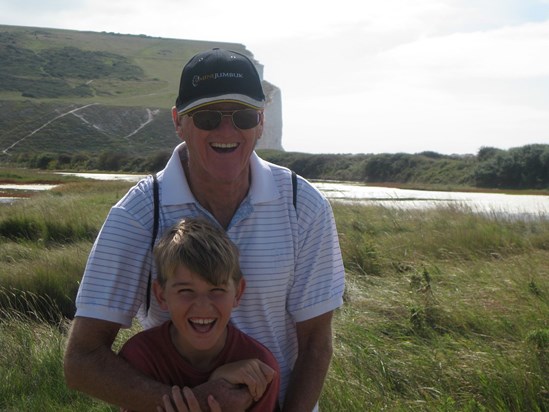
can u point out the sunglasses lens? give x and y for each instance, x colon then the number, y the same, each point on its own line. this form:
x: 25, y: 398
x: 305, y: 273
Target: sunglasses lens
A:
x: 207, y: 119
x: 210, y: 119
x: 246, y: 119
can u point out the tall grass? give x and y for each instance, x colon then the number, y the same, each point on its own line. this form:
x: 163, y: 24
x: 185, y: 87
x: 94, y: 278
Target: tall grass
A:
x: 445, y: 310
x: 44, y: 242
x: 31, y: 353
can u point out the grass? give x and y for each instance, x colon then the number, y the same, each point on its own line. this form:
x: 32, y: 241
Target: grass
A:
x: 31, y: 353
x: 445, y: 310
x: 452, y: 314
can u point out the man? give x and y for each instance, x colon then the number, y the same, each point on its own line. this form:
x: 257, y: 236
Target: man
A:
x: 289, y: 253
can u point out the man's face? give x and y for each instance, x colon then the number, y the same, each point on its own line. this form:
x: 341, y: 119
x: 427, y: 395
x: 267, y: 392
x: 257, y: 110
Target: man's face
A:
x: 223, y: 153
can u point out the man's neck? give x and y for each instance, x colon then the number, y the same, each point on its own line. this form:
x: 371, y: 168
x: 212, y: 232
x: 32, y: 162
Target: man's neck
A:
x: 221, y: 199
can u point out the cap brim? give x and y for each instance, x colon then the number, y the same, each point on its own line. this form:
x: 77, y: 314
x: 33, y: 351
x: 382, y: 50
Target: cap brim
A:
x: 226, y: 98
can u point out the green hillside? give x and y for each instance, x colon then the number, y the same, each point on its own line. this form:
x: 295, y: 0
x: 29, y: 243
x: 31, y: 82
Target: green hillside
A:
x: 85, y: 67
x: 70, y: 91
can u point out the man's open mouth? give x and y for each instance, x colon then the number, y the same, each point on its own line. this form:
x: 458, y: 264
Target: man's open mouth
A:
x: 224, y: 147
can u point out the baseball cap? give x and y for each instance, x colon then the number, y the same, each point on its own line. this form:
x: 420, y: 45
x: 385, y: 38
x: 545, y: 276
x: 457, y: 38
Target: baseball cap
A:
x: 219, y: 75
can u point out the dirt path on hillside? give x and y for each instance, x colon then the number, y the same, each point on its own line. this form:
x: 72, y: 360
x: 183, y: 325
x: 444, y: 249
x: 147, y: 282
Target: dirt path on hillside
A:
x: 7, y: 149
x: 150, y: 117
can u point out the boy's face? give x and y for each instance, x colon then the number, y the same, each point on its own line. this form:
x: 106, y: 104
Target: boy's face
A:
x: 199, y: 311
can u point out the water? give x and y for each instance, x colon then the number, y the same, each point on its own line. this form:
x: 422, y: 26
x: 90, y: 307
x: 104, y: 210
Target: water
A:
x: 8, y: 199
x: 488, y: 203
x: 107, y: 176
x: 522, y: 206
x: 25, y: 187
x: 10, y: 192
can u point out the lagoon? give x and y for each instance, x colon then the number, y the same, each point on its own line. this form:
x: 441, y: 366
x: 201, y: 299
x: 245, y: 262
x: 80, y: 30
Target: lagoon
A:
x: 495, y: 204
x: 106, y: 176
x: 10, y: 192
x: 23, y: 187
x: 498, y: 204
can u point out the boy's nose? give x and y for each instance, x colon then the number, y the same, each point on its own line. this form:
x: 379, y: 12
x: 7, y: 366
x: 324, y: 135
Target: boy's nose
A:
x: 202, y: 300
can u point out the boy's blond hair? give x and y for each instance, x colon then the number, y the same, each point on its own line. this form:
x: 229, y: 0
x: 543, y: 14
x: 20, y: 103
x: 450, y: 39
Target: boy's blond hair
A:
x: 201, y: 247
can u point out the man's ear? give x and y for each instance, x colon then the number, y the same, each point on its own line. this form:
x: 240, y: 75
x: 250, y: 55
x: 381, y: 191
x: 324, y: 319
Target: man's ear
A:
x: 177, y: 123
x: 175, y: 117
x: 239, y: 291
x: 158, y: 291
x: 260, y: 132
x: 261, y: 126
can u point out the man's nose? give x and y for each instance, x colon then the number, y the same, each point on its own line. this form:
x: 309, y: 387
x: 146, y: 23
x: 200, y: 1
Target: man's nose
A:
x: 227, y: 121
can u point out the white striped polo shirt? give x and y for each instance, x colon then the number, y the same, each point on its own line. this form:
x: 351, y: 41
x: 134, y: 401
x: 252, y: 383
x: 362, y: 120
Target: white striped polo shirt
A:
x: 290, y: 258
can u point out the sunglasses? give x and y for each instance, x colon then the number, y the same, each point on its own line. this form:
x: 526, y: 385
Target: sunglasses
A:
x: 211, y: 119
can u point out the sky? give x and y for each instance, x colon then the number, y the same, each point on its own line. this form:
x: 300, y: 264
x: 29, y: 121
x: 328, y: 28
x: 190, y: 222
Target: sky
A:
x: 362, y: 76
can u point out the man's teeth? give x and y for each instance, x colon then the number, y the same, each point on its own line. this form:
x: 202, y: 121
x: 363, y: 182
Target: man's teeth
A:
x: 224, y: 145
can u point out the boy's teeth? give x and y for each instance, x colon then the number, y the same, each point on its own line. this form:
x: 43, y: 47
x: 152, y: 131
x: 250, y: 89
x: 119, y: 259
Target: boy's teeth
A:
x: 202, y: 321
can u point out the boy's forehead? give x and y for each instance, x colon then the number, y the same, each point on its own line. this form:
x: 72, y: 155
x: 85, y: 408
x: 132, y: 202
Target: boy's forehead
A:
x: 184, y: 275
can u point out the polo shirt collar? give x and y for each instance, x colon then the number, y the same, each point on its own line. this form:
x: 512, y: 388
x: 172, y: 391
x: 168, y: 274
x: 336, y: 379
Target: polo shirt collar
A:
x: 176, y: 190
x: 263, y: 188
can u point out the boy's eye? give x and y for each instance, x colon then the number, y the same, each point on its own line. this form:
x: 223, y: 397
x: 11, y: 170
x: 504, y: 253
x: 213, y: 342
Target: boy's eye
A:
x: 185, y: 291
x: 219, y: 290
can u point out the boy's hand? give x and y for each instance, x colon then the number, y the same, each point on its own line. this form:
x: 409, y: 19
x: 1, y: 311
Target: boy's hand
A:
x: 189, y: 404
x: 253, y: 373
x: 208, y: 396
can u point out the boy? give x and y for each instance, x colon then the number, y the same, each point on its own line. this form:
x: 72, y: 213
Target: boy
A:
x: 199, y: 283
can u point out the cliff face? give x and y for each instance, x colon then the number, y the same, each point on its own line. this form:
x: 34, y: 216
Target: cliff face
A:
x: 70, y: 91
x: 272, y: 132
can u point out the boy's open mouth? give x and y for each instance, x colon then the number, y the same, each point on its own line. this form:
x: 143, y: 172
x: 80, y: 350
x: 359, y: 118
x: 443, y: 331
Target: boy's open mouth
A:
x: 202, y: 325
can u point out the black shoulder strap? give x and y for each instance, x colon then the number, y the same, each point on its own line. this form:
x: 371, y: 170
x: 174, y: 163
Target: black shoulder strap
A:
x: 294, y: 188
x: 154, y: 234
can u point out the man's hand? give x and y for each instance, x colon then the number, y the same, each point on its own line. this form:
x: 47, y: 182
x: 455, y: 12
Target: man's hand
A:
x: 253, y: 373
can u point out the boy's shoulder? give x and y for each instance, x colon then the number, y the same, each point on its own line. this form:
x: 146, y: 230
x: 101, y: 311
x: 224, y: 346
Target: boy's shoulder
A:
x: 241, y: 345
x: 153, y: 337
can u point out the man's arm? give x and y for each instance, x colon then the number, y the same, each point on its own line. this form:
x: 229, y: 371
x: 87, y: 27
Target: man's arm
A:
x: 314, y: 354
x: 92, y: 367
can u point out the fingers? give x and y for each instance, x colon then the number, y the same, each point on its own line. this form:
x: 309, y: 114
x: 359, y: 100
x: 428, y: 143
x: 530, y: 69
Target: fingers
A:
x: 253, y: 373
x: 177, y: 398
x: 183, y: 401
x: 168, y: 406
x: 257, y: 378
x: 213, y: 404
x: 192, y: 402
x: 267, y: 371
x: 160, y: 408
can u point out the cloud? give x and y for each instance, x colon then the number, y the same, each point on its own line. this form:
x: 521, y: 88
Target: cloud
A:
x: 509, y: 52
x: 451, y: 93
